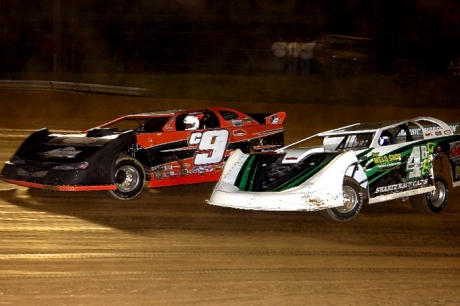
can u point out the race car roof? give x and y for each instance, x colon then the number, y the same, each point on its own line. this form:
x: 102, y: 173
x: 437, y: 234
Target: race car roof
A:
x: 361, y: 128
x: 374, y: 126
x: 153, y: 113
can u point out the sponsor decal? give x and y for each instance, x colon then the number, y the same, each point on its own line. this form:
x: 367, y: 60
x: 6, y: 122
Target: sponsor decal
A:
x: 454, y: 151
x: 418, y: 131
x: 402, y: 186
x: 419, y: 162
x: 200, y: 170
x: 39, y: 174
x: 236, y: 122
x: 173, y: 173
x: 239, y: 133
x: 68, y: 152
x: 457, y: 172
x: 389, y: 166
x: 385, y: 158
x: 22, y: 172
x: 269, y: 132
x: 386, y: 162
x: 78, y: 140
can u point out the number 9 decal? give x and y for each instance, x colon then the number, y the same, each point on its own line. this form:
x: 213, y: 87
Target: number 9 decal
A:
x: 211, y: 146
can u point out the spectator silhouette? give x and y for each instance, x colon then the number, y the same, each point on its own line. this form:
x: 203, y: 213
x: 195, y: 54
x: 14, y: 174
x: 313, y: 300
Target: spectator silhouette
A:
x: 306, y: 56
x: 279, y: 49
x: 294, y: 52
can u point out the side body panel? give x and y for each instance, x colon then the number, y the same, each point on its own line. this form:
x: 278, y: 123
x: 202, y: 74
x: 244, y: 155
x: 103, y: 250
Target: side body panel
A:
x: 314, y: 181
x: 403, y: 170
x: 199, y: 156
x: 51, y: 162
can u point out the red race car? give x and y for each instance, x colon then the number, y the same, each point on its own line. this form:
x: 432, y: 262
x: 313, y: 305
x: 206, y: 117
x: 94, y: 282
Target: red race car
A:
x: 153, y: 149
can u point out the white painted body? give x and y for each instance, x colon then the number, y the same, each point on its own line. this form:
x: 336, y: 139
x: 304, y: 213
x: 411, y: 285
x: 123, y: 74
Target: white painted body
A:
x: 322, y: 191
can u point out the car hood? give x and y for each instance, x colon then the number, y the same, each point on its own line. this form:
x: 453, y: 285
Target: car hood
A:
x: 281, y: 171
x: 64, y: 148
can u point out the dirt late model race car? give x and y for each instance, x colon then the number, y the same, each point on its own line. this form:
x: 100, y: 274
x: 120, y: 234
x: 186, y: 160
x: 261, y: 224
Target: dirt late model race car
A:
x: 416, y: 159
x: 151, y: 149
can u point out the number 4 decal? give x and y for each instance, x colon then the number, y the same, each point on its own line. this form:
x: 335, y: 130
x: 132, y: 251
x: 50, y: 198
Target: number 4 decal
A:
x: 416, y: 164
x: 211, y: 146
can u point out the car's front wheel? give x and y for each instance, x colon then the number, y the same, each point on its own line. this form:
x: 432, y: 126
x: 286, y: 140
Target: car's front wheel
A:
x: 432, y: 202
x: 353, y: 202
x: 129, y: 178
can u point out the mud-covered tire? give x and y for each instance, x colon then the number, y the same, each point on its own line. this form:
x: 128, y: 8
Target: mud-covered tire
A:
x: 129, y: 176
x: 353, y: 202
x: 432, y: 202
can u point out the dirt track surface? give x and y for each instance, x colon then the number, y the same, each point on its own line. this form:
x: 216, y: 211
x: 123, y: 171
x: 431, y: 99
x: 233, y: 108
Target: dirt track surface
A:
x: 168, y: 247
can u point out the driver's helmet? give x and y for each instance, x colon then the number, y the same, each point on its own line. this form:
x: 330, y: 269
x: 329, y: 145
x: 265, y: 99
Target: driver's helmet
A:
x: 191, y: 122
x: 385, y: 138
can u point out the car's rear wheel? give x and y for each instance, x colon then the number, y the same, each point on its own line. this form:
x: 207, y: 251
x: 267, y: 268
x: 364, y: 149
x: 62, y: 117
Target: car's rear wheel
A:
x: 129, y: 176
x: 432, y: 202
x: 353, y: 202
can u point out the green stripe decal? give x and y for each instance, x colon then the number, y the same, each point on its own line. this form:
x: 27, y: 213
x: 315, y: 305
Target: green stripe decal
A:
x: 304, y: 175
x: 378, y: 176
x: 363, y: 154
x: 254, y: 173
x: 243, y: 179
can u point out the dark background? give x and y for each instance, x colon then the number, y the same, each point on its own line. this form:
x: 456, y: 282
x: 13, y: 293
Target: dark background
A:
x: 214, y: 36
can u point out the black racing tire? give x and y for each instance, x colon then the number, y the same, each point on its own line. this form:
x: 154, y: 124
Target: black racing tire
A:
x: 129, y: 176
x: 353, y: 202
x: 432, y: 202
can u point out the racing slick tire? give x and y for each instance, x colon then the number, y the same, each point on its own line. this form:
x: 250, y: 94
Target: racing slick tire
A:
x: 129, y: 176
x: 353, y: 202
x: 432, y: 202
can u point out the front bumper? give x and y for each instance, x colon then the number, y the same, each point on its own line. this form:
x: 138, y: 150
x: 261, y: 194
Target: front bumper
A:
x: 45, y: 177
x: 227, y: 195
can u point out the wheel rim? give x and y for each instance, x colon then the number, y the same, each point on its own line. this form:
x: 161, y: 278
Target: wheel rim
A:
x: 350, y: 198
x: 438, y: 195
x: 127, y: 178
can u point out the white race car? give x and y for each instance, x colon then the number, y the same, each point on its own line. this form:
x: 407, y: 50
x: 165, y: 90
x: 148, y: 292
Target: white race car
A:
x: 417, y: 159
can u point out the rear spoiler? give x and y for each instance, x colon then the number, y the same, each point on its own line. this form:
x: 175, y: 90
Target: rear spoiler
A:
x: 276, y: 118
